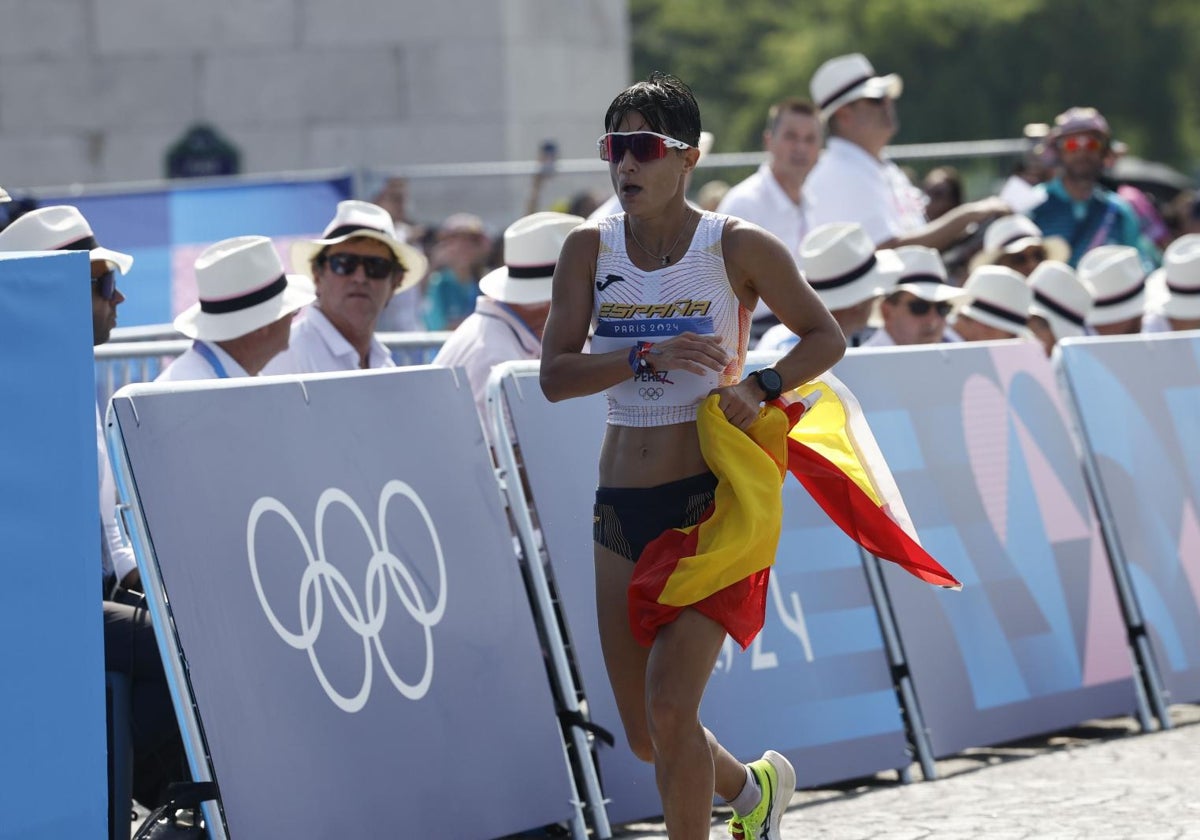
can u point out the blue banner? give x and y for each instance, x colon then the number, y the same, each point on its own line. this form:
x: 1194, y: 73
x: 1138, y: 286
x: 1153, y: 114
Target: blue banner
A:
x: 166, y: 229
x: 52, y: 735
x: 359, y: 641
x: 1138, y: 402
x: 978, y: 441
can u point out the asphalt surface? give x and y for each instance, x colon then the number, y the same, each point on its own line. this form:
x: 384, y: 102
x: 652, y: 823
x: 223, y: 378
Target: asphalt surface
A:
x: 1102, y: 780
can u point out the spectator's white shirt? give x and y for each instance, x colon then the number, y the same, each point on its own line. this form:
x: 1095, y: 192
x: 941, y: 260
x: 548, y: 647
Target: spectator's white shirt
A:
x: 778, y: 337
x: 1155, y: 322
x: 881, y: 338
x: 849, y: 185
x: 192, y: 365
x: 491, y: 334
x: 120, y: 555
x: 316, y: 346
x: 761, y: 200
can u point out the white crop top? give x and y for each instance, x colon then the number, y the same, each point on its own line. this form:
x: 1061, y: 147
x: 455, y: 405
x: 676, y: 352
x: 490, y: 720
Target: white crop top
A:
x: 693, y: 295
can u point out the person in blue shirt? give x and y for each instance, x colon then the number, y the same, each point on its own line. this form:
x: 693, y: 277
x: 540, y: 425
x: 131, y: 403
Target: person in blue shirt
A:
x: 454, y: 282
x: 1077, y: 208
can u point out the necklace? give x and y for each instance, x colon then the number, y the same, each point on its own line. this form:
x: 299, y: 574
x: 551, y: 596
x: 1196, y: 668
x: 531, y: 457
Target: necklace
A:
x: 662, y: 258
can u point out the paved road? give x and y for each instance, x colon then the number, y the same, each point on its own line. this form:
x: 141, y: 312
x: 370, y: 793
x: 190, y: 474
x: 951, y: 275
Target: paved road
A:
x: 1100, y: 781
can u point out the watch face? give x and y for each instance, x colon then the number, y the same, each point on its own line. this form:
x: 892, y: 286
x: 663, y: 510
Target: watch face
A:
x: 771, y: 381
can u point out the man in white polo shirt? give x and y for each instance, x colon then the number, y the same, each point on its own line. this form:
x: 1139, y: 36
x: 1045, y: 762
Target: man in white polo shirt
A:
x: 853, y: 182
x: 244, y: 314
x: 915, y: 311
x: 510, y: 313
x: 773, y: 197
x: 356, y: 267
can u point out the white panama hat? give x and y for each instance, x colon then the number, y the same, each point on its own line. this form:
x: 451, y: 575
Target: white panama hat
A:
x: 531, y: 248
x: 1060, y: 297
x: 362, y: 219
x: 842, y: 266
x: 847, y: 78
x: 924, y: 275
x: 59, y: 228
x: 1180, y: 275
x: 1117, y: 281
x: 1013, y: 234
x: 242, y: 287
x: 998, y: 297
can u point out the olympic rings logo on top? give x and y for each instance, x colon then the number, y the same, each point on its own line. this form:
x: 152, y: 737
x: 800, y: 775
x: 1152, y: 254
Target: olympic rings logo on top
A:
x: 653, y: 394
x: 367, y: 619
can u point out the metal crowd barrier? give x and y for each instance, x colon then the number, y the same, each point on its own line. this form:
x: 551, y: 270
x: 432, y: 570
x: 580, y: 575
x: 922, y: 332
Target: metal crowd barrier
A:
x: 139, y: 354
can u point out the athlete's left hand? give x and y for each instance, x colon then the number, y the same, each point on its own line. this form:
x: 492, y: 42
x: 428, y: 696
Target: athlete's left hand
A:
x: 740, y: 403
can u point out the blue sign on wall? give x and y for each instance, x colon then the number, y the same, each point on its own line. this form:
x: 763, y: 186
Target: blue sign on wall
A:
x: 166, y: 229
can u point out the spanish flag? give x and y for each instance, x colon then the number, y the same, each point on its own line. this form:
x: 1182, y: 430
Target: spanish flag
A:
x: 721, y: 566
x: 834, y: 455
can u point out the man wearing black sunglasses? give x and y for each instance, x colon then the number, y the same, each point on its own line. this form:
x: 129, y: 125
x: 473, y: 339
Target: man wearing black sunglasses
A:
x: 915, y: 312
x: 356, y: 266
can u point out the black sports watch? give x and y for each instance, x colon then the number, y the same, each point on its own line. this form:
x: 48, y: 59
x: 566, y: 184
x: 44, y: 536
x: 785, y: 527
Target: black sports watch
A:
x: 770, y: 381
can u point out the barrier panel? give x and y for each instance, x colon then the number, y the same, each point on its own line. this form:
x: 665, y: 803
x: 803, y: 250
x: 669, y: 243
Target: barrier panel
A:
x: 815, y: 685
x: 1137, y: 399
x: 343, y: 589
x: 166, y: 227
x: 52, y: 731
x: 979, y: 444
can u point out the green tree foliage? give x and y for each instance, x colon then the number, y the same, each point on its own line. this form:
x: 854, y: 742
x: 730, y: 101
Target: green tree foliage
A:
x: 972, y: 69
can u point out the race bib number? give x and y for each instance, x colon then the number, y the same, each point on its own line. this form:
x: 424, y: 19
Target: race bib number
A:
x: 659, y: 386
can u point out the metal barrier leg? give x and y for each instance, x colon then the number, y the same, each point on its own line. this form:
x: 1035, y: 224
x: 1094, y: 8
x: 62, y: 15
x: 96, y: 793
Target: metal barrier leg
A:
x: 1149, y: 690
x: 899, y: 666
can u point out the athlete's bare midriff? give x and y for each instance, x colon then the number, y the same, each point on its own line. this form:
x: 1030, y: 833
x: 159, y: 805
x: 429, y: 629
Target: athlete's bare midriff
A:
x: 637, y: 456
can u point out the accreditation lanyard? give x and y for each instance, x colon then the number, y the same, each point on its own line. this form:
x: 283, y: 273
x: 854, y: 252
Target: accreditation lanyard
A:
x: 210, y: 357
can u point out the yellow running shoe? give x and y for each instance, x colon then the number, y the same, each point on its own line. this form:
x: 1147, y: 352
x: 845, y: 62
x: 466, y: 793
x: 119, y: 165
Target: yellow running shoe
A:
x: 777, y: 780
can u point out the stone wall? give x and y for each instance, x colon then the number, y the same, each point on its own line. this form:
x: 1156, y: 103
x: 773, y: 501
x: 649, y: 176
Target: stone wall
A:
x: 95, y: 91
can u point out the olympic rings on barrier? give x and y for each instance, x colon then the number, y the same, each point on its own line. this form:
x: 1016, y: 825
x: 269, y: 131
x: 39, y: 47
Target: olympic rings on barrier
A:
x: 364, y: 619
x: 650, y: 393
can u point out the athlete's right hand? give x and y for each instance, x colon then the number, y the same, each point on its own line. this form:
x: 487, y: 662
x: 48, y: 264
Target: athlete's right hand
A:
x: 691, y: 352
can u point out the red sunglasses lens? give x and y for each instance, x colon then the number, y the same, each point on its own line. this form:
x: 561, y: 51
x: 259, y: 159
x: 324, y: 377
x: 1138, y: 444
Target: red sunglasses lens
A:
x: 643, y: 147
x: 1075, y: 144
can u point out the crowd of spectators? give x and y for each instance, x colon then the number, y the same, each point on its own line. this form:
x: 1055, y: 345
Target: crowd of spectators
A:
x: 1059, y: 251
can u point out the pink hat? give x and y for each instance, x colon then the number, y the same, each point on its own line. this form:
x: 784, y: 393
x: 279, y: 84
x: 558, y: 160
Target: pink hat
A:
x: 1078, y: 120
